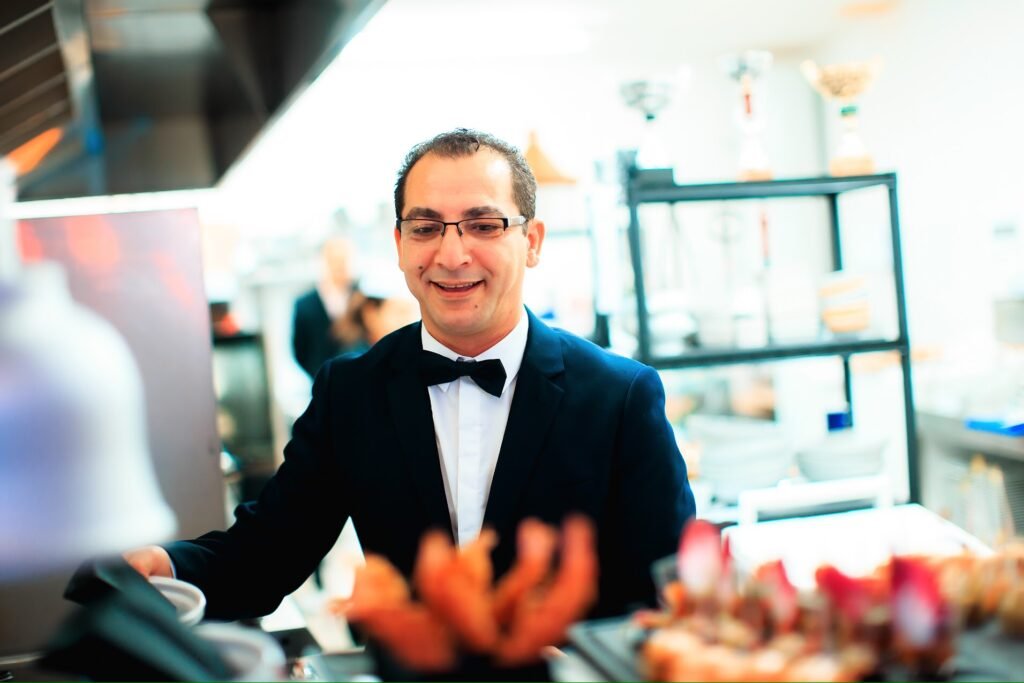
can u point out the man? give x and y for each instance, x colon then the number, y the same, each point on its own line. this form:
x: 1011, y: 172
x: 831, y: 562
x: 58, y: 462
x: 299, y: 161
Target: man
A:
x: 391, y: 440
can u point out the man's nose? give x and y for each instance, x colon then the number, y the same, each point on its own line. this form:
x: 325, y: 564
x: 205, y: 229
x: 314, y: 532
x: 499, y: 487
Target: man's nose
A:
x: 452, y: 252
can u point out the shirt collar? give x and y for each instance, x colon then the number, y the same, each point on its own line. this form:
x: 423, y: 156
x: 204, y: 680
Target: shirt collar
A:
x: 509, y: 350
x: 335, y: 299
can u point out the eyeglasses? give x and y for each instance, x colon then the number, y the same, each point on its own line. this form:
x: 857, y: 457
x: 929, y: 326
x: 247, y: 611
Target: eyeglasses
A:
x: 478, y: 229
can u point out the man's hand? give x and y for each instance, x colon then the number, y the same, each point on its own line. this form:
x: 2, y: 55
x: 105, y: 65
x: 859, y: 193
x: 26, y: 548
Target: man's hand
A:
x: 150, y: 561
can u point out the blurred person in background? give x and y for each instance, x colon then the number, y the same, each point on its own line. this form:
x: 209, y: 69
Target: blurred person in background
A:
x: 379, y: 305
x: 318, y: 332
x: 479, y: 416
x: 382, y: 316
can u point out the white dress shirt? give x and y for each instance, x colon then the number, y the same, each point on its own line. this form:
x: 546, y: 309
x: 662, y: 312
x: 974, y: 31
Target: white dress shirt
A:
x: 334, y: 299
x: 469, y: 425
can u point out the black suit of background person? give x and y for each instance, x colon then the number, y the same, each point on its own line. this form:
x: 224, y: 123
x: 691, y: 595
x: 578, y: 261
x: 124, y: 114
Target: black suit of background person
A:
x: 319, y: 326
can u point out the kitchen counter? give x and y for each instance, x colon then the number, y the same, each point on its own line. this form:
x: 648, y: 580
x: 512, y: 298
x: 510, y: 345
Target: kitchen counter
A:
x: 949, y: 432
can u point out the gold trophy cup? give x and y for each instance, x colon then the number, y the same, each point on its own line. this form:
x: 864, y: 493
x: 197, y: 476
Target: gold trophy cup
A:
x: 844, y: 83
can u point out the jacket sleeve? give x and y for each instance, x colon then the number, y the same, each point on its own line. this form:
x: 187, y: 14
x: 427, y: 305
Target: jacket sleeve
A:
x: 277, y: 541
x: 650, y: 502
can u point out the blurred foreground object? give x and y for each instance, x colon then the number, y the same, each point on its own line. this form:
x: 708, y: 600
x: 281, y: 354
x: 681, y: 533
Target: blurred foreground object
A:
x: 844, y: 83
x: 129, y: 629
x: 902, y: 620
x: 78, y: 479
x: 73, y: 450
x: 74, y: 459
x: 461, y: 613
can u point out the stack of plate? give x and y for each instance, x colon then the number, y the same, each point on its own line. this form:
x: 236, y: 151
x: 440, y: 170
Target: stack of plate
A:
x: 845, y: 302
x: 738, y: 454
x: 842, y: 455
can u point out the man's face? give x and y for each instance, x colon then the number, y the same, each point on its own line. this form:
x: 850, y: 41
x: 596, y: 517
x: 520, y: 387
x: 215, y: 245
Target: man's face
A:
x: 337, y: 254
x: 470, y: 293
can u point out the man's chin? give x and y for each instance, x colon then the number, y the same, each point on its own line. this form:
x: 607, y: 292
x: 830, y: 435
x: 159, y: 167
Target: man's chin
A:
x: 452, y: 324
x: 460, y: 328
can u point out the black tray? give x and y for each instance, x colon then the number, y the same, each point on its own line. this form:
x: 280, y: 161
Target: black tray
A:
x: 983, y: 654
x: 608, y: 646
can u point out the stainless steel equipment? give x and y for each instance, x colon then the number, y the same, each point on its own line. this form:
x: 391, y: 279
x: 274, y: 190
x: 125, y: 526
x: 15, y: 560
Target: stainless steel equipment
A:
x: 155, y: 94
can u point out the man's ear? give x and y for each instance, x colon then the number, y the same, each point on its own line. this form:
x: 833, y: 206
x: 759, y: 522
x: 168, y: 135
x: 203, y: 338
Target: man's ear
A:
x: 535, y: 240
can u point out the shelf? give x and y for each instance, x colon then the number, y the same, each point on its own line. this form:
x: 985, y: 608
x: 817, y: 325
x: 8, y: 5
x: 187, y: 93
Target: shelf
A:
x: 727, y: 356
x: 644, y: 190
x: 239, y: 338
x: 657, y: 186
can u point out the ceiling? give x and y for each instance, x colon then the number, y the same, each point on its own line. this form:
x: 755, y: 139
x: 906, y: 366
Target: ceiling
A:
x: 634, y: 30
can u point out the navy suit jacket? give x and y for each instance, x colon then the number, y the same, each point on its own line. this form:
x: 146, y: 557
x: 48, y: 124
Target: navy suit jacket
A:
x: 586, y: 432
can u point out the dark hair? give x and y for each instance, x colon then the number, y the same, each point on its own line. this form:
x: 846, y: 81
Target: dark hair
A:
x: 463, y: 142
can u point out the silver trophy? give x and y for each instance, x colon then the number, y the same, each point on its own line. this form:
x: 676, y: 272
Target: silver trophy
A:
x: 650, y: 98
x: 747, y: 68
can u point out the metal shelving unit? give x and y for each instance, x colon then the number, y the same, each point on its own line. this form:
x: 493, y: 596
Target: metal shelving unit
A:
x: 655, y: 186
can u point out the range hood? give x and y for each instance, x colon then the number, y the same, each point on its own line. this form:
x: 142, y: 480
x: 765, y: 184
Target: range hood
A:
x: 152, y: 95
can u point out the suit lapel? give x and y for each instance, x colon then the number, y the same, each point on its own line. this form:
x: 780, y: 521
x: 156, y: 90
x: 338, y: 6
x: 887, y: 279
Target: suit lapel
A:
x: 533, y: 409
x: 409, y: 405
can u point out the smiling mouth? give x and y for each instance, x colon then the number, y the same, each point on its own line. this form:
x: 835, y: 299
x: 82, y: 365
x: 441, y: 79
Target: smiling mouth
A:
x: 455, y: 287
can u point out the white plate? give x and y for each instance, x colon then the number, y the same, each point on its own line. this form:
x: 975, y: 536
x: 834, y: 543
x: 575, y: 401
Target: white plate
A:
x: 186, y: 598
x: 252, y: 654
x: 854, y: 542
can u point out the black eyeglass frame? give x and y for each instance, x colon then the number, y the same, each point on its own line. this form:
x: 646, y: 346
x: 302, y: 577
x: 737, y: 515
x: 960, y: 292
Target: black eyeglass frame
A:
x: 506, y: 221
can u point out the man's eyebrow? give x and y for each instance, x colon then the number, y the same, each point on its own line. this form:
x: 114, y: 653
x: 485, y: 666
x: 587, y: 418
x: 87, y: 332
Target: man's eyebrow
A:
x: 422, y: 212
x: 475, y: 212
x: 478, y: 211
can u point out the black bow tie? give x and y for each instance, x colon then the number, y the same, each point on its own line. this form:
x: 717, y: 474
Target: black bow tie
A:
x: 489, y: 375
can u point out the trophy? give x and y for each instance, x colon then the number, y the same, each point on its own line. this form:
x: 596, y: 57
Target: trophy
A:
x: 844, y: 83
x: 746, y: 69
x: 650, y: 97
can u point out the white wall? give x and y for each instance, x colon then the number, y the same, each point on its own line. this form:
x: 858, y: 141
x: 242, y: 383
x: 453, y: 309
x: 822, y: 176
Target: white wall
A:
x: 945, y: 114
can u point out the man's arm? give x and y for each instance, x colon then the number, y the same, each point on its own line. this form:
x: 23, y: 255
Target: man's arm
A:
x: 277, y: 541
x: 651, y: 498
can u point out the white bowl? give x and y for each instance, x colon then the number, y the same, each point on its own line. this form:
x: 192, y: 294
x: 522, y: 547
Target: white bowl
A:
x: 840, y: 469
x: 714, y: 428
x: 186, y: 598
x: 252, y: 654
x: 728, y: 488
x: 842, y: 456
x: 738, y: 453
x: 769, y: 452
